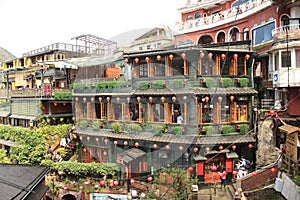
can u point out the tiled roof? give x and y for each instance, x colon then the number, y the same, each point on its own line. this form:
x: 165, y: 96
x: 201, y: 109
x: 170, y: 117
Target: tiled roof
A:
x: 231, y: 90
x: 169, y: 138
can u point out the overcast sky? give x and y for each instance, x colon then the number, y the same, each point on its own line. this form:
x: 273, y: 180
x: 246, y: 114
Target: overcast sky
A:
x: 30, y: 24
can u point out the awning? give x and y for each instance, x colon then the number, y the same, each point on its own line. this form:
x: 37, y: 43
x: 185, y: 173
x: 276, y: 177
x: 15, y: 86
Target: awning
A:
x: 130, y: 155
x: 23, y: 117
x: 8, y: 143
x: 4, y: 113
x: 288, y: 128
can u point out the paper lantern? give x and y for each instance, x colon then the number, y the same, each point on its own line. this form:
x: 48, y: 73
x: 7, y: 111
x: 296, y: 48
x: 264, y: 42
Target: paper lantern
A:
x: 104, y: 153
x: 97, y: 140
x: 155, y: 146
x: 138, y: 99
x: 235, y: 56
x: 116, y: 183
x: 92, y: 99
x: 118, y: 99
x: 250, y: 146
x: 183, y: 55
x: 136, y: 144
x: 190, y: 169
x: 180, y: 148
x: 158, y: 57
x: 88, y: 138
x: 173, y: 98
x: 231, y: 98
x: 147, y: 59
x: 84, y: 99
x: 206, y: 99
x: 196, y: 149
x: 111, y: 184
x: 168, y: 147
x: 210, y: 55
x: 115, y: 142
x: 128, y: 99
x: 171, y: 56
x: 220, y: 147
x: 162, y: 99
x: 202, y: 55
x: 273, y: 169
x: 233, y: 147
x: 136, y: 60
x: 102, y: 183
x: 125, y: 143
x: 105, y: 140
x: 207, y: 149
x: 220, y: 99
x: 214, y: 168
x: 254, y: 173
x: 223, y: 56
x: 150, y: 99
x: 272, y: 112
x: 150, y: 178
x: 126, y: 60
x: 247, y: 56
x: 66, y: 188
x: 96, y: 186
x: 107, y: 98
x: 132, y: 181
x: 100, y: 99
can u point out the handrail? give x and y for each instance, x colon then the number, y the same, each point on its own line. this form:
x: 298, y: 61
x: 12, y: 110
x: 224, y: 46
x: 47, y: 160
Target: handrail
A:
x: 285, y: 28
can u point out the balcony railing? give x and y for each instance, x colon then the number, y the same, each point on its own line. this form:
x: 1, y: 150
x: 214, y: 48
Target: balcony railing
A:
x: 246, y: 9
x: 291, y: 31
x: 30, y: 92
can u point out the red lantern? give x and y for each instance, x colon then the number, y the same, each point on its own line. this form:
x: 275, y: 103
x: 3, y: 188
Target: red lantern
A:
x: 235, y: 56
x: 210, y: 55
x: 55, y: 103
x: 202, y: 55
x: 190, y: 169
x: 220, y: 147
x: 234, y: 172
x: 126, y: 60
x: 180, y: 148
x: 173, y: 98
x: 107, y: 98
x: 115, y: 142
x: 132, y: 181
x: 118, y: 99
x: 86, y: 183
x: 125, y: 143
x: 231, y: 98
x: 272, y: 112
x: 158, y: 57
x: 138, y: 99
x: 214, y: 168
x: 168, y: 147
x: 111, y: 184
x: 104, y: 153
x: 66, y: 188
x: 102, y: 183
x: 162, y: 99
x: 100, y: 99
x: 196, y: 149
x: 150, y: 178
x: 223, y: 56
x: 220, y: 99
x: 155, y: 146
x: 247, y: 56
x: 136, y: 60
x: 105, y: 140
x: 147, y: 59
x: 97, y: 140
x: 150, y: 99
x: 206, y: 99
x: 136, y: 144
x: 233, y: 147
x: 254, y: 173
x: 250, y: 146
x: 207, y: 149
x: 81, y: 138
x: 88, y: 138
x: 273, y: 169
x: 84, y: 99
x: 128, y: 99
x: 116, y: 183
x: 183, y: 55
x: 96, y: 186
x: 171, y: 56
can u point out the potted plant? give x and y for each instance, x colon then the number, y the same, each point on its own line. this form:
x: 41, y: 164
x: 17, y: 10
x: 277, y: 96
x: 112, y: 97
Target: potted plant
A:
x: 226, y: 82
x: 96, y: 124
x: 178, y: 130
x: 209, y: 130
x: 210, y: 82
x: 116, y: 126
x: 226, y: 129
x: 83, y: 123
x: 134, y: 128
x: 244, y: 128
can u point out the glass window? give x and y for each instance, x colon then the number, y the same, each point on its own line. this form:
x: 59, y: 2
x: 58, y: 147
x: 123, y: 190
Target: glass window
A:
x: 189, y: 17
x: 197, y: 15
x: 263, y: 33
x: 285, y: 59
x: 143, y: 70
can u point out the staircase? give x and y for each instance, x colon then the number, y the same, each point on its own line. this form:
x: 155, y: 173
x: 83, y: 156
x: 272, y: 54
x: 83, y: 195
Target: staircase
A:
x: 70, y: 149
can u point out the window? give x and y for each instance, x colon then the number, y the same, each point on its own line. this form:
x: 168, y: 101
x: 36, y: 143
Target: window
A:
x: 246, y: 34
x: 197, y: 15
x: 234, y: 35
x: 263, y: 33
x: 189, y: 17
x: 285, y: 59
x: 159, y: 68
x: 221, y: 37
x: 143, y: 68
x: 298, y: 58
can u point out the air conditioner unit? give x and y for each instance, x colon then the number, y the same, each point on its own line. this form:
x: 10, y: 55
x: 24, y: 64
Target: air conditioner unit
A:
x: 278, y: 185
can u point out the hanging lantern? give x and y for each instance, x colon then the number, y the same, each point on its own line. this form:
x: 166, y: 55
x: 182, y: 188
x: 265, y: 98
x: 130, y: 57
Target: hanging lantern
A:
x: 158, y: 57
x: 150, y: 179
x: 76, y: 98
x: 136, y: 60
x: 104, y: 153
x: 273, y: 169
x: 254, y: 173
x: 107, y: 98
x: 128, y: 99
x: 111, y: 184
x: 168, y: 147
x: 81, y: 138
x: 92, y: 99
x: 125, y: 143
x: 190, y: 169
x: 223, y: 56
x: 84, y: 99
x: 60, y: 173
x: 155, y: 146
x: 210, y: 55
x: 183, y: 55
x: 126, y: 60
x: 235, y: 56
x: 171, y: 56
x: 147, y: 59
x: 231, y: 98
x: 118, y: 99
x: 250, y: 146
x: 115, y: 142
x: 233, y: 147
x: 97, y: 140
x: 138, y: 99
x: 132, y: 181
x: 202, y: 55
x: 206, y: 99
x: 173, y: 98
x: 66, y: 188
x: 88, y: 138
x: 116, y: 183
x: 180, y: 148
x: 196, y: 149
x: 247, y: 56
x: 84, y: 149
x: 150, y: 99
x: 272, y: 112
x: 220, y: 147
x: 55, y: 103
x: 214, y: 168
x: 219, y: 99
x: 207, y: 149
x: 102, y: 183
x: 105, y: 140
x: 162, y: 99
x: 96, y: 186
x: 136, y: 144
x: 100, y: 99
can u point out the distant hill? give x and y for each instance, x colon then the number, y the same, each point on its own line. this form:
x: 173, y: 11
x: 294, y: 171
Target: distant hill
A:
x: 5, y: 55
x: 125, y: 39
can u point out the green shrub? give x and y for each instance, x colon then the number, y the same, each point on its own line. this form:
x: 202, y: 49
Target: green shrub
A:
x: 243, y: 82
x: 83, y: 123
x: 116, y: 126
x: 112, y: 84
x: 157, y: 128
x: 244, y: 128
x: 120, y: 84
x: 133, y: 128
x: 143, y: 85
x: 62, y: 95
x: 96, y: 124
x: 209, y: 130
x: 178, y: 130
x: 101, y: 85
x: 158, y: 84
x: 226, y: 129
x: 210, y: 82
x: 178, y: 83
x: 226, y: 82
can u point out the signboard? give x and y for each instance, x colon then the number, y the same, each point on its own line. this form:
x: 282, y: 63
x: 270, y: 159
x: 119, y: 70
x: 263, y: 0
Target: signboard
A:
x: 275, y: 77
x: 291, y: 145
